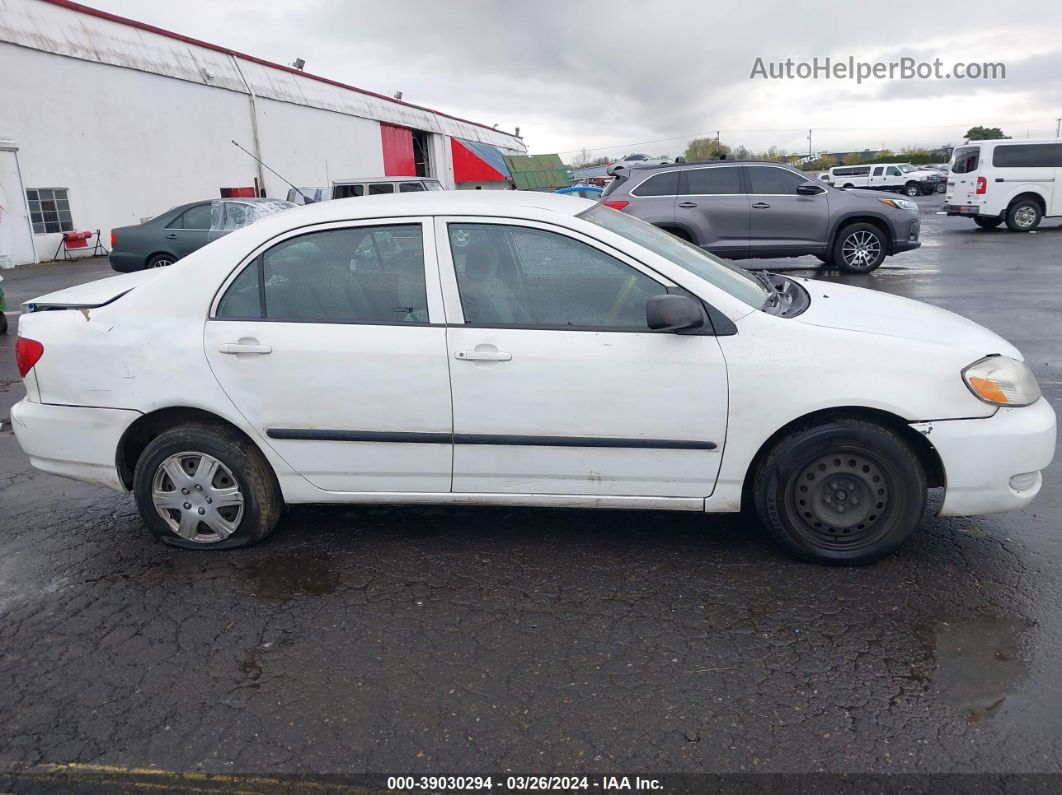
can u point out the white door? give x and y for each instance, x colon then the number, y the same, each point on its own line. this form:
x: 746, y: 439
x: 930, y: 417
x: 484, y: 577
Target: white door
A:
x: 877, y: 177
x: 558, y: 385
x: 324, y: 342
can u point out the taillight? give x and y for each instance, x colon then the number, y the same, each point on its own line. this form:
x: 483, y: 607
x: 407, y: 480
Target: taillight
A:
x: 616, y: 205
x: 114, y: 238
x: 982, y: 185
x: 27, y: 353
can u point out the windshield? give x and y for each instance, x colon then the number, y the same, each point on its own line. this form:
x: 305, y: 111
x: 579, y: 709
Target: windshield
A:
x: 734, y: 280
x: 432, y: 185
x: 965, y: 159
x: 906, y: 169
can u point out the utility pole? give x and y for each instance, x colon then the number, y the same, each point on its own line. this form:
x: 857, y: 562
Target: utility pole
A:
x: 1058, y: 128
x: 809, y: 143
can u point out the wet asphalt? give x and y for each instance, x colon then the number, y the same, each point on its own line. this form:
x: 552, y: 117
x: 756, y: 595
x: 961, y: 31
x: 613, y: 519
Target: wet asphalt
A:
x: 447, y: 640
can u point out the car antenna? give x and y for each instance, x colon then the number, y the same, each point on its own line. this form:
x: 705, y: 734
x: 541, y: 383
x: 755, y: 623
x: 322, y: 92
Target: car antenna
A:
x: 307, y: 198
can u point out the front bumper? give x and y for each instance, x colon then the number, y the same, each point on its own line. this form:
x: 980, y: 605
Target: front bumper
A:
x: 72, y: 441
x: 905, y: 235
x: 993, y: 464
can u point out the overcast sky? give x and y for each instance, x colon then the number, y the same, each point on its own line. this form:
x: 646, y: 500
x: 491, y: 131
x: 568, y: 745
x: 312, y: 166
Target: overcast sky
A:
x: 622, y: 76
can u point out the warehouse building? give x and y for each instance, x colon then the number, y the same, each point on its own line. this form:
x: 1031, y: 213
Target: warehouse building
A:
x: 105, y: 121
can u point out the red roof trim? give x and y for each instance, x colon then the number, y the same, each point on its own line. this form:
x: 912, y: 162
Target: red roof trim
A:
x: 95, y: 12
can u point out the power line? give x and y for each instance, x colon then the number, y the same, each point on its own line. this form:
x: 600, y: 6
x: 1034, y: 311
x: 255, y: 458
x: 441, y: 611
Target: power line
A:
x: 715, y: 133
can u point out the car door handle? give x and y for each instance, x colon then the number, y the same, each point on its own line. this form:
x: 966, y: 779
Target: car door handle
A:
x: 687, y: 205
x: 761, y: 206
x: 171, y: 236
x: 483, y: 356
x: 244, y: 347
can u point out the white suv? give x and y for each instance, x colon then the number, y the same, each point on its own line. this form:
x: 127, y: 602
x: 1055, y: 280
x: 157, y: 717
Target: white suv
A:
x: 1012, y: 181
x: 899, y: 177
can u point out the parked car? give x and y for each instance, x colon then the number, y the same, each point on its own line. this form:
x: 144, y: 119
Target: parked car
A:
x: 176, y: 233
x: 761, y: 209
x: 897, y: 177
x: 582, y: 191
x: 1016, y: 182
x: 636, y: 160
x: 375, y: 186
x: 569, y: 355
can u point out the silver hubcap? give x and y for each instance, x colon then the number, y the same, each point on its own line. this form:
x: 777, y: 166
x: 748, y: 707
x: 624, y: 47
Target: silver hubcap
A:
x: 912, y: 191
x: 198, y: 497
x: 861, y: 249
x: 162, y: 263
x: 1025, y: 216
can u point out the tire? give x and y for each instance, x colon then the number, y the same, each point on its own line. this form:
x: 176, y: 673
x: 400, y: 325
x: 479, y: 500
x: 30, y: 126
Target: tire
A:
x: 844, y: 492
x: 942, y: 187
x: 242, y: 471
x: 1024, y: 216
x: 859, y: 248
x: 987, y: 221
x: 160, y: 261
x: 3, y: 323
x: 912, y: 189
x: 848, y: 185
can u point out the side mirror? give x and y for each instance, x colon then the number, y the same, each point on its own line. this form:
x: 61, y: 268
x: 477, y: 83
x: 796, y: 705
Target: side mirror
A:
x: 672, y: 313
x: 809, y: 189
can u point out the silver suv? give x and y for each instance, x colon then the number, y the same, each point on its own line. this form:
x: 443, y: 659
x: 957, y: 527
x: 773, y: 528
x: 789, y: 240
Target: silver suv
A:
x: 742, y: 209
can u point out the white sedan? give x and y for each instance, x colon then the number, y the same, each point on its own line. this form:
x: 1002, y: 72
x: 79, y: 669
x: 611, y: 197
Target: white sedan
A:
x: 565, y: 355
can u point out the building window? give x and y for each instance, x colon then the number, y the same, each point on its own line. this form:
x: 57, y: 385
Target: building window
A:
x: 49, y: 210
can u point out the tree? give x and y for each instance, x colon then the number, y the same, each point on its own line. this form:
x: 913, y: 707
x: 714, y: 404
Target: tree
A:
x: 706, y: 149
x: 914, y: 152
x: 584, y: 160
x: 773, y: 153
x: 980, y: 133
x: 852, y: 159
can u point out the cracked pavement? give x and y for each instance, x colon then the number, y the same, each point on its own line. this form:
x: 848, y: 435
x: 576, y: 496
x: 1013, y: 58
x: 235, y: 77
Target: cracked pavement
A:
x: 481, y: 640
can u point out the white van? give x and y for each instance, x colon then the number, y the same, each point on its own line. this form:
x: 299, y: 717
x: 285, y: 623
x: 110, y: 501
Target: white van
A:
x: 1010, y: 181
x: 900, y: 177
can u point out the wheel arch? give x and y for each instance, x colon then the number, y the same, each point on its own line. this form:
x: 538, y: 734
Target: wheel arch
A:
x: 924, y: 449
x: 146, y: 427
x: 1030, y: 194
x: 677, y: 229
x: 857, y: 217
x: 148, y: 258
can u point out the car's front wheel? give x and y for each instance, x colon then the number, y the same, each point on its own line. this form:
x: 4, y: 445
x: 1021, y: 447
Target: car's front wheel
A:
x: 843, y: 492
x: 912, y: 189
x: 859, y: 248
x: 202, y: 486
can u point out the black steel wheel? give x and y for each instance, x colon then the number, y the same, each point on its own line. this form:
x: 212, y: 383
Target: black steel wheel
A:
x: 845, y: 492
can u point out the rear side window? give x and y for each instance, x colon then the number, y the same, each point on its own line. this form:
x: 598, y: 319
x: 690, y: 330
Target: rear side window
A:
x: 372, y: 274
x: 724, y: 179
x: 966, y: 159
x: 381, y: 187
x: 1028, y: 156
x: 878, y: 170
x: 346, y: 191
x: 659, y: 185
x: 768, y: 179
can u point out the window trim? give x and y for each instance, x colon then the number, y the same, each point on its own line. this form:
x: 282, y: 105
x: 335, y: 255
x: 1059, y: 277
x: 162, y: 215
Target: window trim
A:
x: 451, y: 292
x: 432, y: 287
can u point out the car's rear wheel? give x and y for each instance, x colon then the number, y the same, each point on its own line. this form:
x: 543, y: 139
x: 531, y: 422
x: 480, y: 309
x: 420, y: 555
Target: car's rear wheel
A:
x: 987, y: 222
x: 201, y: 486
x: 1024, y: 216
x: 859, y: 248
x: 843, y: 492
x: 942, y: 187
x: 912, y: 189
x: 160, y: 261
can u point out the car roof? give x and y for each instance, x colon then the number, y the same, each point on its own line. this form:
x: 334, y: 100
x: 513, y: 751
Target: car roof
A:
x: 354, y: 180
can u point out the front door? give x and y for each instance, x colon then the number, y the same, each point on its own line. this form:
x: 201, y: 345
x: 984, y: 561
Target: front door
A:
x: 331, y: 344
x: 559, y: 387
x: 712, y: 201
x: 784, y: 221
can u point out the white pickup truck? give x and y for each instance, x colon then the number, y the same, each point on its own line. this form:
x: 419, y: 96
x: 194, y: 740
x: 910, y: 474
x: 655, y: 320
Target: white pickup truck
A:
x: 899, y: 177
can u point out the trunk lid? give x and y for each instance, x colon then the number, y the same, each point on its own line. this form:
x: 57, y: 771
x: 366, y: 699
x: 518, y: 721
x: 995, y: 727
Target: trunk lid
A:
x: 91, y: 295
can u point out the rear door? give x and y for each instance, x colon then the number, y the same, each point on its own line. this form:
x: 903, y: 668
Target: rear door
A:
x: 653, y: 198
x: 782, y: 220
x: 962, y: 181
x: 713, y: 203
x: 190, y: 230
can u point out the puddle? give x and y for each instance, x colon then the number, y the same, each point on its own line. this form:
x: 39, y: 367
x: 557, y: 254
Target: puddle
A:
x: 979, y: 662
x: 284, y: 579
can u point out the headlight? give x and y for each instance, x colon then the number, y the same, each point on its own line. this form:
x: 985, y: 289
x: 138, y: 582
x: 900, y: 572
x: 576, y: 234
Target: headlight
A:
x: 900, y: 204
x: 1002, y: 381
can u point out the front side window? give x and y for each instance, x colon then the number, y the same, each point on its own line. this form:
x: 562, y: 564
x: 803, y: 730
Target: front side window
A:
x: 519, y: 276
x: 49, y: 210
x: 198, y: 217
x: 892, y: 171
x: 370, y: 274
x: 722, y: 179
x: 659, y: 185
x: 769, y: 179
x: 410, y: 187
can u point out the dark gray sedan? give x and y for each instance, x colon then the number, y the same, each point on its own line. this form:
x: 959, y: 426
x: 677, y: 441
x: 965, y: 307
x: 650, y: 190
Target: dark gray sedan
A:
x: 178, y: 232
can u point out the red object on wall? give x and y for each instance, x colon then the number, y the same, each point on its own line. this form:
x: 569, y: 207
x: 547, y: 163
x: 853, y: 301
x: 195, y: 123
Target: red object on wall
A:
x: 398, y: 151
x: 238, y: 193
x: 470, y: 167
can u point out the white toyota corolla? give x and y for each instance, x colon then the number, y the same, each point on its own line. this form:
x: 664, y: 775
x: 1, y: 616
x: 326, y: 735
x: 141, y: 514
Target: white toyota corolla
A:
x: 519, y: 349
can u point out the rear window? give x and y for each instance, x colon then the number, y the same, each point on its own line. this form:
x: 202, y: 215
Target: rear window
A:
x: 722, y: 179
x: 965, y: 159
x: 1028, y: 156
x: 659, y: 185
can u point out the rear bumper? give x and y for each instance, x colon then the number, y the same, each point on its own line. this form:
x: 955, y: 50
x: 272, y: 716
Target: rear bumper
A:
x: 966, y: 209
x: 125, y: 263
x: 993, y: 464
x: 72, y: 441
